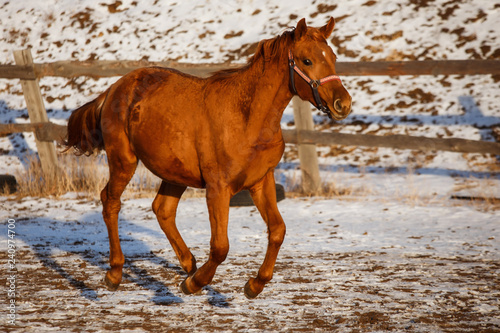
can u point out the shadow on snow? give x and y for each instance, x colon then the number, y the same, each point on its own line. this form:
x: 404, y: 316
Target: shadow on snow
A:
x: 87, y: 239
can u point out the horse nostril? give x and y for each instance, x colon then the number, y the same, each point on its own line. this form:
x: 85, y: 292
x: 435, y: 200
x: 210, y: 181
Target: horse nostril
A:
x: 337, y: 105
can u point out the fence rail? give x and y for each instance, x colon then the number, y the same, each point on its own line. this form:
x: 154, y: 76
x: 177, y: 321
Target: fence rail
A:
x: 105, y: 68
x: 303, y: 136
x: 45, y: 132
x: 395, y: 141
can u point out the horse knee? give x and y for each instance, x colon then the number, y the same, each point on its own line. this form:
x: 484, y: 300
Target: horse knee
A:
x: 218, y: 253
x: 156, y: 206
x: 104, y: 194
x: 277, y: 234
x: 164, y: 217
x: 110, y: 205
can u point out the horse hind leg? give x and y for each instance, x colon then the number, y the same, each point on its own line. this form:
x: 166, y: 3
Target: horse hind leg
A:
x: 165, y: 207
x: 122, y: 165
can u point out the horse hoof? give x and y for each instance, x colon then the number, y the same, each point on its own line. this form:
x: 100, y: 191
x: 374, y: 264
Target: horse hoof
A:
x: 185, y: 289
x: 249, y: 293
x: 110, y: 285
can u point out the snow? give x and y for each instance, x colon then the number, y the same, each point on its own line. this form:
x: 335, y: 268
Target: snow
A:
x: 339, y: 256
x: 393, y: 252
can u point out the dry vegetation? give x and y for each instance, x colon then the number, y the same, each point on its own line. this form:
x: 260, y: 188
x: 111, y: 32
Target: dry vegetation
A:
x: 86, y: 176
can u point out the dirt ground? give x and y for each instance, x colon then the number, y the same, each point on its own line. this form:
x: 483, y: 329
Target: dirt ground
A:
x: 61, y: 290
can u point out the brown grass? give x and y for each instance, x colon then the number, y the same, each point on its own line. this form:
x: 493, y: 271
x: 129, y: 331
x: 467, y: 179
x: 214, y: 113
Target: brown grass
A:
x: 479, y: 192
x: 333, y: 186
x: 86, y: 176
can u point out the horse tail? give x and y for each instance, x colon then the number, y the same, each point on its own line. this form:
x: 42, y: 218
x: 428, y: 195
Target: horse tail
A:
x: 84, y: 128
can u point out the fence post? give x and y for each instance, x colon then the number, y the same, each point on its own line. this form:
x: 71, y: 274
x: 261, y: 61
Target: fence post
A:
x: 308, y: 157
x: 37, y: 113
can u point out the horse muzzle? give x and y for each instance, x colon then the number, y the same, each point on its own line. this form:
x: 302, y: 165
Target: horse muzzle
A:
x: 341, y: 109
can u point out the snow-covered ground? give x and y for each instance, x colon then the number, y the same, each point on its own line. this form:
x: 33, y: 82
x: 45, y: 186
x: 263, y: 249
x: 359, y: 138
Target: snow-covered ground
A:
x: 394, y: 252
x: 346, y: 265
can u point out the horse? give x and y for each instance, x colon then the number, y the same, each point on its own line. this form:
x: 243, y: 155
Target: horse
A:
x: 221, y: 133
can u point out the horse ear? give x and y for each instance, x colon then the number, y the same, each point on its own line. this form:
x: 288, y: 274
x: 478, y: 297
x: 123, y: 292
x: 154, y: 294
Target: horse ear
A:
x: 301, y: 29
x: 328, y: 28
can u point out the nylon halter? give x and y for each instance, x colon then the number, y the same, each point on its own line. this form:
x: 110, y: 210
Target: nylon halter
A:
x: 314, y: 84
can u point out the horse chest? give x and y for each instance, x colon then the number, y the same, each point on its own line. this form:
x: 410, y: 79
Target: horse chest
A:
x: 262, y: 159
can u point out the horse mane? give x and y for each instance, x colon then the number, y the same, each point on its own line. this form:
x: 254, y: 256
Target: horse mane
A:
x: 267, y: 49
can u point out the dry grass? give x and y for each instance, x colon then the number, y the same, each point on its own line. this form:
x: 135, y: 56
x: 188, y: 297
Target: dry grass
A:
x: 481, y: 193
x: 86, y: 176
x: 484, y: 196
x: 333, y: 186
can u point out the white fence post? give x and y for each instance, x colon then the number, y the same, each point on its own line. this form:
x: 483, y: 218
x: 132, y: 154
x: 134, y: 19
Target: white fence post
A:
x: 311, y: 181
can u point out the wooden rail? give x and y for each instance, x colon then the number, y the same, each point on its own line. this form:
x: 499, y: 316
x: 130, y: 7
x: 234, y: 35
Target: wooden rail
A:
x: 426, y: 67
x: 392, y: 141
x: 44, y: 131
x: 104, y: 68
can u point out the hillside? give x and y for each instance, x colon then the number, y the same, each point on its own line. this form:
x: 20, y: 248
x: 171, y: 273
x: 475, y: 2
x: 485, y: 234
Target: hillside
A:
x: 215, y: 31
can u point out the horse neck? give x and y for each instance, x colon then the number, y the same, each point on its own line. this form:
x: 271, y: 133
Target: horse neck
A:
x: 269, y: 93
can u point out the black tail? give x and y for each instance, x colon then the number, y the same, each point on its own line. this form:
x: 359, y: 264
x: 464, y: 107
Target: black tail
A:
x: 84, y: 128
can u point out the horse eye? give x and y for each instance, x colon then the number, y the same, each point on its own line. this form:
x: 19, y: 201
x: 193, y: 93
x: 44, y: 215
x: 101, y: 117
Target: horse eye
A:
x: 307, y: 62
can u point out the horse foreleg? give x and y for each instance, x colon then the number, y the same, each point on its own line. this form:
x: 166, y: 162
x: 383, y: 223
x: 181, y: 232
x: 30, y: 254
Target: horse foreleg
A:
x: 218, y: 210
x: 264, y: 197
x: 165, y: 207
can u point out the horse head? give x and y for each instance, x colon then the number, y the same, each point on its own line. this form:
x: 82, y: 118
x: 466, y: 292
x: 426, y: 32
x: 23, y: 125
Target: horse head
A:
x: 312, y: 70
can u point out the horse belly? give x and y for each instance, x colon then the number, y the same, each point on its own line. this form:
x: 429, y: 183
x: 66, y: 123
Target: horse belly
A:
x: 164, y: 142
x: 175, y: 171
x: 170, y: 161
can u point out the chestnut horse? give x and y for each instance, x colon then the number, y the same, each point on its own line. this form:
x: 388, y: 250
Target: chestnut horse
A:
x: 221, y: 133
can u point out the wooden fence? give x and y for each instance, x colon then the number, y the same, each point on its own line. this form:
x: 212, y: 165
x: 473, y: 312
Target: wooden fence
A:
x: 304, y: 135
x: 106, y: 68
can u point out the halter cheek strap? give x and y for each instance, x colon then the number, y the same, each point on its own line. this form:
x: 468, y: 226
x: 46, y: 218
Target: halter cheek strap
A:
x: 313, y: 83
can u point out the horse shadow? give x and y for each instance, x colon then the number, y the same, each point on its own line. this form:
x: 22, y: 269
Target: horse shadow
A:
x: 88, y: 240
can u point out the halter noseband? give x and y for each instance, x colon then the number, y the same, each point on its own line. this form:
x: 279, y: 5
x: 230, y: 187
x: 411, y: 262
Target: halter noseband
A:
x: 313, y: 83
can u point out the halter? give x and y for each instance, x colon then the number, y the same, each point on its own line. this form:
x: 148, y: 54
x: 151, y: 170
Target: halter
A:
x: 313, y: 83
